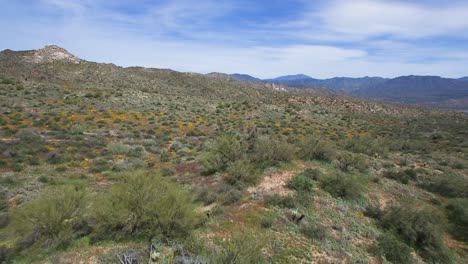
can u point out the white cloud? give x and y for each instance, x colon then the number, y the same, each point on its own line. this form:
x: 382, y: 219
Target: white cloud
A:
x: 369, y: 18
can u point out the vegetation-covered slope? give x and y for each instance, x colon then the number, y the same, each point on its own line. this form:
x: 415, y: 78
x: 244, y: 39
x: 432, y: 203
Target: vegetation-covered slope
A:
x: 100, y: 162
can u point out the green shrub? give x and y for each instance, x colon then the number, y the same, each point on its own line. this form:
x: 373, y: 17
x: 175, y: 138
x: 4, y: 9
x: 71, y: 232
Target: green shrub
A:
x: 349, y: 162
x: 449, y: 185
x: 366, y: 145
x: 144, y: 204
x: 77, y: 129
x: 402, y: 176
x: 281, y: 201
x: 313, y: 231
x: 52, y: 219
x: 373, y: 212
x: 301, y: 183
x: 457, y: 211
x: 205, y: 195
x: 312, y: 148
x: 313, y: 174
x: 211, y: 163
x: 221, y: 152
x: 28, y: 136
x: 117, y: 148
x: 228, y: 194
x: 347, y: 186
x: 421, y: 228
x: 268, y: 219
x: 3, y: 202
x: 393, y: 249
x: 243, y: 247
x: 269, y: 151
x: 241, y: 173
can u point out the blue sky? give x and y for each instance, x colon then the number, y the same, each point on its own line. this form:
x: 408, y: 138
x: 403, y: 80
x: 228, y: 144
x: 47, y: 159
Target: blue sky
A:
x: 262, y: 38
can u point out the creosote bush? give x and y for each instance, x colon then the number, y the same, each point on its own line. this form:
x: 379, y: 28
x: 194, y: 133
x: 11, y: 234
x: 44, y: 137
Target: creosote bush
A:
x: 221, y: 152
x: 347, y: 186
x: 393, y: 249
x: 449, y: 185
x: 367, y: 145
x: 403, y: 176
x: 351, y: 162
x: 457, y: 211
x: 270, y: 151
x: 52, y: 220
x: 421, y: 228
x: 301, y: 183
x: 241, y: 173
x: 312, y: 148
x: 242, y: 247
x: 144, y: 203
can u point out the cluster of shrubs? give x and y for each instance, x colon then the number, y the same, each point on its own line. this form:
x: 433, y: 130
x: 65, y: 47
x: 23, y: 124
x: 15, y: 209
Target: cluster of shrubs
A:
x: 410, y: 226
x: 366, y: 145
x: 238, y: 155
x: 403, y: 176
x: 346, y: 186
x: 140, y: 204
x: 351, y: 162
x: 447, y: 184
x: 242, y: 159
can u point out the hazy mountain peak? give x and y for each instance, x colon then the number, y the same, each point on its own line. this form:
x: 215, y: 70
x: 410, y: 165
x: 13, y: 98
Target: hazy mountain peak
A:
x: 245, y: 77
x: 292, y: 77
x: 52, y: 53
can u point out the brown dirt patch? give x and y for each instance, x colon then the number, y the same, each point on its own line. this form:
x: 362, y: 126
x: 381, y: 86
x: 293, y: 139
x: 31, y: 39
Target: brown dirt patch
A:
x: 273, y: 184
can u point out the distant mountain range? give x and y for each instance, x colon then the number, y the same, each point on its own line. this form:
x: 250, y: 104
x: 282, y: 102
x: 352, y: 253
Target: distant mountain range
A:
x: 431, y: 91
x: 424, y: 90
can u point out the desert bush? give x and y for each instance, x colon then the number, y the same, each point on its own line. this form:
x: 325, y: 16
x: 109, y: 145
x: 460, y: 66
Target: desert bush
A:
x: 313, y: 231
x: 457, y: 211
x: 117, y: 148
x: 78, y: 129
x: 419, y: 227
x: 144, y: 204
x: 243, y: 247
x: 205, y: 195
x: 3, y: 202
x: 393, y: 249
x: 449, y: 185
x: 222, y: 151
x: 268, y: 219
x: 281, y: 201
x: 228, y: 195
x: 211, y: 163
x: 347, y: 186
x: 349, y: 162
x: 366, y: 145
x: 28, y: 136
x: 312, y: 148
x: 52, y: 219
x: 373, y: 212
x: 241, y: 173
x: 301, y: 183
x: 269, y: 151
x: 100, y: 165
x: 402, y: 176
x: 313, y: 174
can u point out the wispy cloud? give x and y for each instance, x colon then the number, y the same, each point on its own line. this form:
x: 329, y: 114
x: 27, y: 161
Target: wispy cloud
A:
x: 367, y: 18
